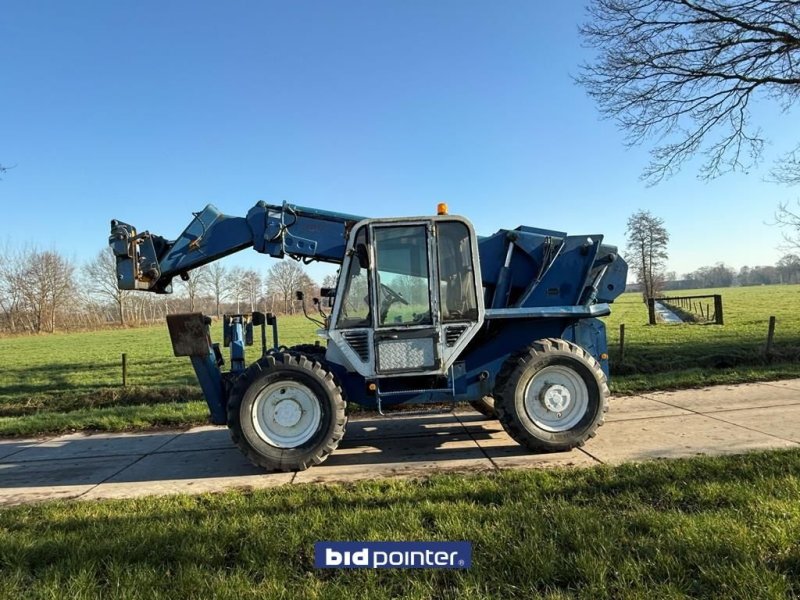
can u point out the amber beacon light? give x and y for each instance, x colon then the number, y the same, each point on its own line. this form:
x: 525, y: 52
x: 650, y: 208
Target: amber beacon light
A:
x: 441, y: 208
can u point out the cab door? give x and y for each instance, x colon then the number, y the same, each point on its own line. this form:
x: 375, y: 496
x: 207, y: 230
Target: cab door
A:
x: 405, y: 304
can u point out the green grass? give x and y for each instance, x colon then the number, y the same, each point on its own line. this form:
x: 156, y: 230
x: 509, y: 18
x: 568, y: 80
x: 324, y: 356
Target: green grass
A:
x: 72, y: 381
x: 691, y: 355
x: 705, y: 527
x: 56, y: 383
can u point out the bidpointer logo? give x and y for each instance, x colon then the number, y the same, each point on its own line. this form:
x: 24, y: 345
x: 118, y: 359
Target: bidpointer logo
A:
x: 392, y: 555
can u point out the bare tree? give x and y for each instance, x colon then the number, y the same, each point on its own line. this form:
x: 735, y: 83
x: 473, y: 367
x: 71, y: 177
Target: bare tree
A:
x: 46, y: 282
x: 647, y: 250
x: 250, y: 287
x: 329, y: 281
x: 101, y: 281
x: 218, y: 283
x: 789, y: 268
x: 197, y: 281
x: 788, y: 217
x: 11, y: 298
x: 284, y: 279
x: 684, y: 72
x: 237, y: 290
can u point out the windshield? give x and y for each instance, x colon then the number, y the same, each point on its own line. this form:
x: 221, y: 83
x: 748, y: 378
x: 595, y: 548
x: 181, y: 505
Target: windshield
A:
x: 403, y: 280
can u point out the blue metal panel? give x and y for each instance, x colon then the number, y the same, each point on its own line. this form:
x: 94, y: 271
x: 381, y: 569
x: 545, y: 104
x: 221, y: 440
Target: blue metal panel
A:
x: 329, y: 215
x: 210, y: 379
x: 210, y: 235
x: 540, y: 231
x: 492, y: 253
x: 613, y: 282
x: 299, y: 231
x: 545, y: 269
x: 590, y: 334
x: 237, y: 346
x: 564, y: 282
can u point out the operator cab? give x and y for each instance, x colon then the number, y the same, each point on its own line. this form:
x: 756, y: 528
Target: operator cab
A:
x: 408, y: 298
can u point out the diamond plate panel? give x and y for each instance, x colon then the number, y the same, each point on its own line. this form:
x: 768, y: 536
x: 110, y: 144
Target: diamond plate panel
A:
x: 402, y: 355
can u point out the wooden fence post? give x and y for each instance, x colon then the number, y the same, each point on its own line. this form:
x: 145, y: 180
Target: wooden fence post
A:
x: 621, y: 343
x: 651, y: 310
x: 770, y: 339
x: 718, y: 309
x: 124, y: 369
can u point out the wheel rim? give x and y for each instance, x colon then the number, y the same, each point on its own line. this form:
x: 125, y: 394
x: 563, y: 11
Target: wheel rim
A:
x: 286, y: 414
x: 556, y: 398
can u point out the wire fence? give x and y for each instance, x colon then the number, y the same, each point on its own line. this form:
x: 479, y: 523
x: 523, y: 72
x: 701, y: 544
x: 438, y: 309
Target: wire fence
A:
x: 689, y: 309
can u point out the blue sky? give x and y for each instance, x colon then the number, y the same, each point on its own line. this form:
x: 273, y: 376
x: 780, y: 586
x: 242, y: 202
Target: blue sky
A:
x: 147, y: 111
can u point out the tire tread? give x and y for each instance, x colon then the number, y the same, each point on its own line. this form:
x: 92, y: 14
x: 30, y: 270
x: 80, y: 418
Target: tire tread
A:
x: 275, y: 361
x: 504, y: 393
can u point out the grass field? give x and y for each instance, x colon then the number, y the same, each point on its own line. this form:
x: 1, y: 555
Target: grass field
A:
x: 68, y: 381
x: 59, y: 382
x: 705, y: 527
x: 688, y: 355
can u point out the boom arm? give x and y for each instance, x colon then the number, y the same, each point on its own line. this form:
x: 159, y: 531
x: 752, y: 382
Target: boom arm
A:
x: 149, y: 262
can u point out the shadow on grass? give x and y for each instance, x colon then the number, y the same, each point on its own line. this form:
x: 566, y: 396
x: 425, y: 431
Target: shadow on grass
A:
x: 60, y: 377
x: 100, y: 397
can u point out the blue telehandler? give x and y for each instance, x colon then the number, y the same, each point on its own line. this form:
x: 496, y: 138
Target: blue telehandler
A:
x: 424, y: 311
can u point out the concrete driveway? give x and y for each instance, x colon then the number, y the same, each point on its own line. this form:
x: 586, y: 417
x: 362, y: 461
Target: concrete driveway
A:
x: 717, y: 420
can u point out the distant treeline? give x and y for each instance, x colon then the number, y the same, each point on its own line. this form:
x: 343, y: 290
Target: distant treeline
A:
x: 720, y: 275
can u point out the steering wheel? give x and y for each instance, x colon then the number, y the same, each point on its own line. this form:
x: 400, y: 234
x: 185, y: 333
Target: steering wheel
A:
x: 393, y: 296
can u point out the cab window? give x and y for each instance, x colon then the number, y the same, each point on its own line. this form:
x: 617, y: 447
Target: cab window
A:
x: 355, y: 302
x: 456, y: 273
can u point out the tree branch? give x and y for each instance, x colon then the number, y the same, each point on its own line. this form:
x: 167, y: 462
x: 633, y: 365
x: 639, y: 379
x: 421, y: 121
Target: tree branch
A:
x: 683, y: 73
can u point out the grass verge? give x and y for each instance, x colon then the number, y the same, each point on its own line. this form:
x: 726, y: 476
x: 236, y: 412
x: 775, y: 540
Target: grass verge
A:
x: 697, y: 377
x: 136, y: 409
x: 113, y: 418
x: 704, y: 527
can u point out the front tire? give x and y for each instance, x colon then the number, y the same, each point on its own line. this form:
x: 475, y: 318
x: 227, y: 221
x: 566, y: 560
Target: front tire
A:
x: 286, y: 412
x: 312, y: 350
x: 552, y: 397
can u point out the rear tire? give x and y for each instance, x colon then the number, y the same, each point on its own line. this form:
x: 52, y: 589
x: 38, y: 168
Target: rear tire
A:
x: 286, y: 412
x: 485, y: 406
x: 552, y: 397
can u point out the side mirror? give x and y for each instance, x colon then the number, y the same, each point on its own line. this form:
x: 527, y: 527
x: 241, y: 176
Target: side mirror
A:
x: 363, y: 256
x: 327, y: 292
x: 299, y: 295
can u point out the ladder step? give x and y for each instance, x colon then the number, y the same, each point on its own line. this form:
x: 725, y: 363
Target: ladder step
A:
x: 396, y: 414
x: 406, y: 392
